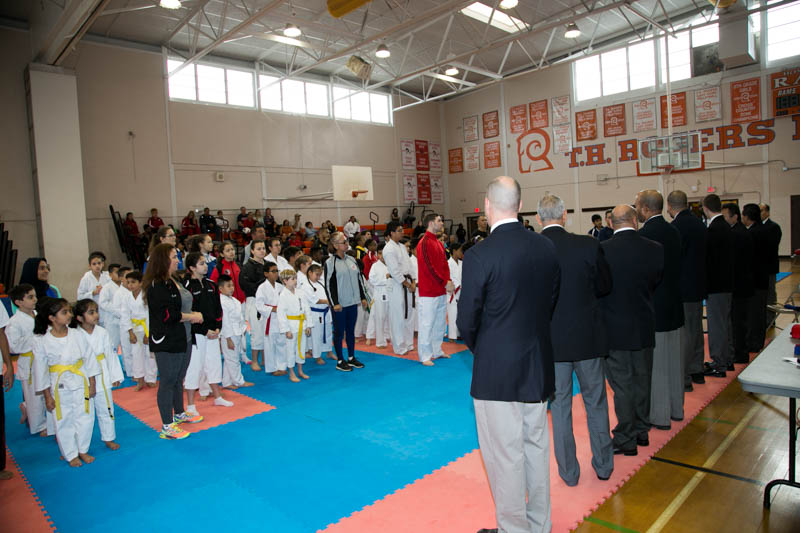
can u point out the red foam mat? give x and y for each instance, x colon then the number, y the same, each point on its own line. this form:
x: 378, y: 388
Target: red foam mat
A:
x: 20, y: 508
x: 447, y: 347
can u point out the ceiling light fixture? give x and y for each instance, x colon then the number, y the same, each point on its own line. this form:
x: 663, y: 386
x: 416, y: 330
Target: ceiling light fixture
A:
x: 508, y: 4
x: 292, y: 31
x: 382, y: 51
x: 170, y: 4
x: 451, y: 70
x: 572, y: 31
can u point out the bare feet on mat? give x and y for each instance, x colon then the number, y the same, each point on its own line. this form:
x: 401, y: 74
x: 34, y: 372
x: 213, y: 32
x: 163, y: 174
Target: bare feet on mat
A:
x: 302, y: 375
x: 427, y: 363
x: 369, y: 341
x: 86, y: 458
x: 75, y: 462
x: 331, y: 355
x: 232, y: 387
x: 111, y: 445
x: 247, y: 384
x: 446, y: 356
x: 23, y: 414
x: 139, y: 386
x: 294, y: 379
x: 254, y: 367
x: 43, y: 433
x: 152, y: 385
x: 204, y: 398
x: 320, y: 361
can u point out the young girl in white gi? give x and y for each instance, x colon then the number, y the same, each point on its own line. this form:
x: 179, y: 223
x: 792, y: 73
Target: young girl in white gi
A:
x: 64, y: 371
x: 86, y: 320
x: 120, y: 296
x: 205, y: 356
x: 456, y: 257
x: 20, y: 341
x: 267, y: 303
x: 93, y: 281
x: 301, y: 267
x: 322, y: 332
x: 294, y: 322
x: 380, y: 279
x: 231, y: 335
x: 135, y: 319
x: 109, y: 316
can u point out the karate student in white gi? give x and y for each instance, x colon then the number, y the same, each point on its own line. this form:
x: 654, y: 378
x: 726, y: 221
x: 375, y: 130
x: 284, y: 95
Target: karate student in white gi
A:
x: 413, y: 297
x: 109, y: 315
x: 87, y: 319
x: 395, y: 257
x: 455, y: 261
x: 266, y: 303
x: 322, y: 332
x: 64, y: 371
x: 295, y: 323
x: 381, y: 280
x: 93, y: 281
x: 116, y: 303
x: 20, y: 341
x: 135, y: 319
x: 275, y: 256
x: 231, y: 335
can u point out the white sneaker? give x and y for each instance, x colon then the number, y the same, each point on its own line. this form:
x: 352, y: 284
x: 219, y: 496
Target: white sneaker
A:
x: 223, y: 402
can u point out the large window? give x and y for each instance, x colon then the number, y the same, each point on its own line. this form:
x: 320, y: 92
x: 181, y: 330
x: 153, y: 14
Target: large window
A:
x: 680, y: 57
x: 363, y: 106
x: 615, y: 72
x: 783, y: 32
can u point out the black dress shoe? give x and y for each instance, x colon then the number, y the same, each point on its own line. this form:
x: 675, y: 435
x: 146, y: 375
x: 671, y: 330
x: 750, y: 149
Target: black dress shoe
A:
x: 688, y: 388
x: 714, y: 373
x: 621, y: 451
x: 698, y: 378
x: 640, y: 441
x: 731, y: 368
x: 601, y: 478
x: 484, y: 530
x: 662, y: 428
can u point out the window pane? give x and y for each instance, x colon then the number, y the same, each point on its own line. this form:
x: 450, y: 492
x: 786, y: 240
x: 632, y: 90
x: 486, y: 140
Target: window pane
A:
x: 294, y: 98
x: 642, y: 61
x: 680, y: 65
x: 705, y: 35
x: 359, y: 103
x: 783, y: 32
x: 270, y: 96
x: 615, y: 71
x: 240, y: 88
x: 380, y: 108
x: 587, y: 78
x: 341, y: 104
x: 317, y: 99
x: 181, y: 85
x: 211, y: 84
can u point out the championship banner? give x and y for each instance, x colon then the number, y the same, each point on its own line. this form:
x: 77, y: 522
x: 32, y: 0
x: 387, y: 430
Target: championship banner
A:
x: 470, y: 126
x: 746, y: 100
x: 407, y: 155
x: 472, y: 158
x: 437, y: 189
x: 586, y: 125
x: 678, y: 109
x: 614, y: 120
x: 561, y: 110
x: 707, y: 104
x: 491, y: 124
x: 562, y: 139
x: 409, y: 188
x: 423, y: 188
x: 455, y: 160
x: 421, y: 149
x: 644, y: 115
x: 518, y: 118
x: 435, y: 156
x: 537, y: 114
x: 491, y: 155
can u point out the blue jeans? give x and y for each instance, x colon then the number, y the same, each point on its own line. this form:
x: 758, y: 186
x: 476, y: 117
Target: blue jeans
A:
x: 344, y: 325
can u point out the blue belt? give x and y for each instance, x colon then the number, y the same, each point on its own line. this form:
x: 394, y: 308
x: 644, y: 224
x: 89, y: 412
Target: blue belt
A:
x: 324, y: 311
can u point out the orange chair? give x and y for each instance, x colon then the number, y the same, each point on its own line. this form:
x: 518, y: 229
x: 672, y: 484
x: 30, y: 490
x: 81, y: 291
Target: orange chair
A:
x: 306, y: 251
x: 308, y: 244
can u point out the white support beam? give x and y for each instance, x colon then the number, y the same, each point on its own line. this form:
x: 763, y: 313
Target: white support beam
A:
x: 185, y: 20
x: 652, y: 21
x: 53, y: 27
x: 477, y: 70
x: 451, y: 79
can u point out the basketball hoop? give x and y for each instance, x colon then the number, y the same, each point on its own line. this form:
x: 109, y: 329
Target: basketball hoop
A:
x: 356, y: 193
x: 666, y: 170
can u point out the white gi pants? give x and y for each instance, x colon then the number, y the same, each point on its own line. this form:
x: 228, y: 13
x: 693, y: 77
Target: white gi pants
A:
x: 274, y: 358
x: 205, y: 359
x: 103, y: 403
x: 432, y: 320
x: 144, y: 363
x: 34, y: 406
x: 256, y: 325
x: 74, y: 430
x: 295, y: 348
x: 232, y: 368
x: 127, y: 352
x: 400, y: 342
x: 321, y: 333
x: 379, y: 321
x: 452, y: 313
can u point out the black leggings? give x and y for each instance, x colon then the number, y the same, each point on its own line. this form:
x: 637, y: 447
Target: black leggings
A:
x: 171, y: 371
x: 344, y: 325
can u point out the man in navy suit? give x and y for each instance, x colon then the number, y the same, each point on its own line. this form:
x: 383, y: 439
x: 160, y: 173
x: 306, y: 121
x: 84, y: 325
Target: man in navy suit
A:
x: 719, y: 285
x: 773, y: 234
x: 504, y: 317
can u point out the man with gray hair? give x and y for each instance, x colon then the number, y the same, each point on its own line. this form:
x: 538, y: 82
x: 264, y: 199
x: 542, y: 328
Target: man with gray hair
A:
x: 579, y: 342
x: 504, y: 317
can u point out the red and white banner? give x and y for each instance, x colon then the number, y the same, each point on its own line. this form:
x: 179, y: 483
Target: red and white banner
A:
x: 562, y: 139
x: 614, y: 120
x: 707, y: 104
x: 437, y: 189
x: 435, y: 155
x: 491, y: 124
x: 561, y: 110
x: 537, y: 113
x: 470, y: 125
x: 409, y: 188
x: 518, y: 118
x: 644, y: 115
x: 472, y: 158
x: 491, y: 155
x: 421, y: 148
x: 407, y: 156
x: 455, y: 160
x: 586, y: 125
x: 746, y: 100
x: 678, y: 109
x: 423, y: 188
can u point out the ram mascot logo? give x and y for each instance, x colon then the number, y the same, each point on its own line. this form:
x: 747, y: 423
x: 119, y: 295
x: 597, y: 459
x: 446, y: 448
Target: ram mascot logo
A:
x: 533, y: 146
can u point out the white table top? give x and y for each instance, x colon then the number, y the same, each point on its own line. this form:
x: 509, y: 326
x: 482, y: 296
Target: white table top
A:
x: 768, y: 373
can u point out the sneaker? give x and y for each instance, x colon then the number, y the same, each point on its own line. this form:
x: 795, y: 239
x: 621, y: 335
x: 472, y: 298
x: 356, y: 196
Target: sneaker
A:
x: 355, y: 363
x: 172, y: 431
x: 187, y: 418
x: 223, y: 402
x: 343, y: 366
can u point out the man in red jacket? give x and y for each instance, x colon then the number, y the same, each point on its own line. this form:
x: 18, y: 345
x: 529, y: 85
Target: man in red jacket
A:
x: 433, y: 285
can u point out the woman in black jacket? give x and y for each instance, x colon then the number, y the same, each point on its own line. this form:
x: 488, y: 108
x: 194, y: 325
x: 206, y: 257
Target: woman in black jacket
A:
x: 169, y: 337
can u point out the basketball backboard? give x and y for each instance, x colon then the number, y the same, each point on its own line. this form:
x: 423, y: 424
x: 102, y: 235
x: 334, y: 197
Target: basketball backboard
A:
x: 679, y: 152
x: 352, y: 183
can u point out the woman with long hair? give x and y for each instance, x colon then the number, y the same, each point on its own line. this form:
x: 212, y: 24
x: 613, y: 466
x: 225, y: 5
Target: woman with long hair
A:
x: 189, y: 224
x: 164, y: 234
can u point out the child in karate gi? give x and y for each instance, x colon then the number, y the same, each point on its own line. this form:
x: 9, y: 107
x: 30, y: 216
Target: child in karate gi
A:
x: 294, y: 322
x: 231, y: 334
x: 135, y: 319
x: 266, y: 303
x: 20, y: 341
x: 86, y: 320
x: 120, y: 296
x: 93, y: 281
x: 64, y: 371
x: 109, y: 316
x: 380, y: 279
x: 322, y: 332
x: 456, y: 258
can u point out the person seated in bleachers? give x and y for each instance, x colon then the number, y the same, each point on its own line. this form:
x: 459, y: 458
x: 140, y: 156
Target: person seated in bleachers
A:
x: 189, y: 224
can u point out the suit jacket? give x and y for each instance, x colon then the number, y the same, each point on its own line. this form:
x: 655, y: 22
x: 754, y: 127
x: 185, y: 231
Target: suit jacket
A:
x: 509, y: 288
x: 693, y: 256
x: 577, y: 328
x: 606, y: 233
x: 637, y: 265
x: 719, y: 257
x: 761, y: 263
x: 743, y: 280
x: 773, y: 233
x: 668, y: 301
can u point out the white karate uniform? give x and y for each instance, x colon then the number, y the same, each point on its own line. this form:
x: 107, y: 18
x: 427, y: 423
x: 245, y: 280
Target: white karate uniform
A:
x: 127, y: 353
x: 350, y: 229
x: 110, y: 372
x: 322, y: 316
x: 233, y: 328
x: 281, y: 261
x: 20, y: 341
x: 109, y: 314
x: 413, y: 303
x: 89, y: 283
x: 395, y: 257
x: 452, y: 299
x: 205, y: 364
x: 379, y: 320
x: 143, y: 362
x: 294, y: 304
x: 74, y: 426
x: 267, y: 303
x: 362, y: 318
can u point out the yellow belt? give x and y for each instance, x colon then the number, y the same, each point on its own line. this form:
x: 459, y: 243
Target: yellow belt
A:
x: 30, y: 371
x: 301, y: 318
x: 100, y: 358
x: 75, y: 369
x: 141, y: 322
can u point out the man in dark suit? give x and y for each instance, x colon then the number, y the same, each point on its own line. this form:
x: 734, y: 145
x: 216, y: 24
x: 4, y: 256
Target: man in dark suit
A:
x: 693, y: 285
x: 636, y: 266
x: 743, y: 288
x: 579, y: 342
x: 504, y: 317
x: 773, y: 234
x: 606, y: 233
x: 666, y: 386
x: 761, y: 264
x: 719, y: 285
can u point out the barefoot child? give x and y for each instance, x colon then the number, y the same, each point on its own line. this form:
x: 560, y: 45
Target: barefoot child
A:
x: 380, y: 280
x: 231, y: 335
x: 322, y: 331
x: 294, y: 323
x: 456, y: 257
x: 86, y: 320
x: 266, y: 304
x: 93, y: 281
x: 64, y: 370
x: 134, y: 315
x: 109, y: 315
x: 20, y: 341
x: 120, y: 295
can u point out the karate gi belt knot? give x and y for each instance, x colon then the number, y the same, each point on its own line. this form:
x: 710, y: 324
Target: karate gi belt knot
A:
x: 75, y: 369
x: 300, y: 318
x: 141, y: 322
